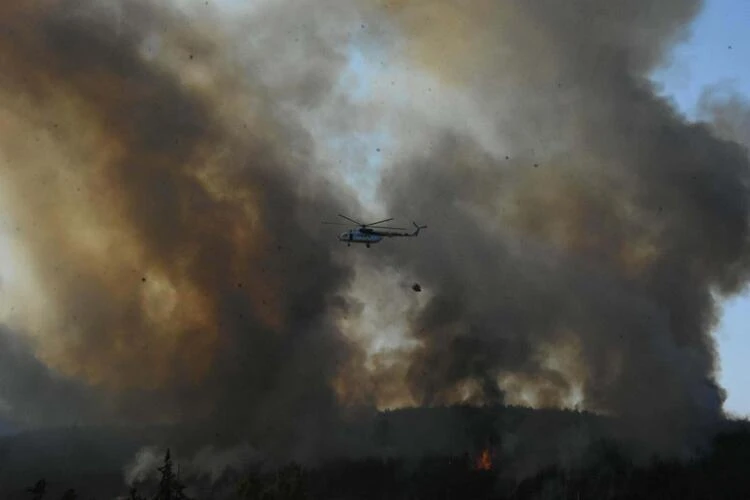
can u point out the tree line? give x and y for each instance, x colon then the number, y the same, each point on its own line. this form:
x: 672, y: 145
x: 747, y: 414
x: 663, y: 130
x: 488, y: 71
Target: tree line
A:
x: 719, y: 474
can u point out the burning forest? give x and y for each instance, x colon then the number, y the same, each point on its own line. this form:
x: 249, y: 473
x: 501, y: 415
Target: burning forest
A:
x: 166, y: 281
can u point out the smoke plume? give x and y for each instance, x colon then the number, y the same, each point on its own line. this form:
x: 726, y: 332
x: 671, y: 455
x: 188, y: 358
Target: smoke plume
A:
x: 580, y: 257
x: 165, y: 169
x: 165, y: 208
x: 728, y: 112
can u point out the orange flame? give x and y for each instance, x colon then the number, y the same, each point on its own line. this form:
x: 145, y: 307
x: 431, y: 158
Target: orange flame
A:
x: 484, y: 461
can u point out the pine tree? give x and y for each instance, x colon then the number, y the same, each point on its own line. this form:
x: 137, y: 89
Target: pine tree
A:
x: 170, y: 487
x: 167, y: 477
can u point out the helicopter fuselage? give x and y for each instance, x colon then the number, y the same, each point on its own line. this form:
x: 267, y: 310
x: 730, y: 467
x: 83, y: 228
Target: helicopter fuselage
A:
x: 359, y: 236
x: 369, y: 234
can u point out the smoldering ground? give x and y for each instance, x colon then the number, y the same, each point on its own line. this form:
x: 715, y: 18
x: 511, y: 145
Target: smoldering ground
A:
x: 166, y: 199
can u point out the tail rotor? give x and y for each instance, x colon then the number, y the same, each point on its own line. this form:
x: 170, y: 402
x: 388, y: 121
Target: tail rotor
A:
x: 418, y: 228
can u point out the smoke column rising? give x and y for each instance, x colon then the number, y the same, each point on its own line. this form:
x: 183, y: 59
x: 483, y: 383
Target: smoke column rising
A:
x: 161, y: 167
x: 586, y: 256
x: 166, y: 209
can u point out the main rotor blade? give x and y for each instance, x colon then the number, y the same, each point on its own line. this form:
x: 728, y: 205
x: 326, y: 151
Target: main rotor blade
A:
x: 378, y: 222
x: 352, y: 220
x: 388, y: 227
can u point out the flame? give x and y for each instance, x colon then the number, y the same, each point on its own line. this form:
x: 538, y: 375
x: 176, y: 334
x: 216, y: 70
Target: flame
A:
x: 484, y: 460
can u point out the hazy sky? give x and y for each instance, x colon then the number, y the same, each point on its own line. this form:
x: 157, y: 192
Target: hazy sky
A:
x: 717, y: 54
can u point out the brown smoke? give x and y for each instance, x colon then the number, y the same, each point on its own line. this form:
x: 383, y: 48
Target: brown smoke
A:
x: 585, y: 253
x: 166, y: 197
x: 167, y: 211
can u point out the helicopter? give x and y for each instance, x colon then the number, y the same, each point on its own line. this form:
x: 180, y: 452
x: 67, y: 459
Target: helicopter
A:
x: 369, y: 234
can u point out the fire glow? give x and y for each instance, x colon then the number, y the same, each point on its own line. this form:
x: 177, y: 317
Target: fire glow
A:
x: 484, y: 460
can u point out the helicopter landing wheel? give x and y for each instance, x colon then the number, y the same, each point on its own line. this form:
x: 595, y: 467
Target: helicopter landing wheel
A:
x: 367, y: 245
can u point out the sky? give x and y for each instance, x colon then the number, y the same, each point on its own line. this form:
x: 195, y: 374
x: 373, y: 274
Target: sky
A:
x: 716, y: 54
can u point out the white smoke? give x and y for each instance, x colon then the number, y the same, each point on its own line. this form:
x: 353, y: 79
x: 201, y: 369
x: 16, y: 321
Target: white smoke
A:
x: 144, y: 465
x: 208, y: 461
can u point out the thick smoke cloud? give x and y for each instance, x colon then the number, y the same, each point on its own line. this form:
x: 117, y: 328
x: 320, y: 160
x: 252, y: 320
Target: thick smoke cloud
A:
x: 728, y: 112
x: 166, y: 209
x: 582, y: 259
x: 160, y: 167
x: 38, y: 395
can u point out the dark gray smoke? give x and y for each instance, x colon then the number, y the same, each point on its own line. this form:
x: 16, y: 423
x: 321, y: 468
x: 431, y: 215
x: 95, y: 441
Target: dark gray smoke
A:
x: 599, y: 231
x: 163, y: 174
x: 728, y: 112
x: 33, y: 394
